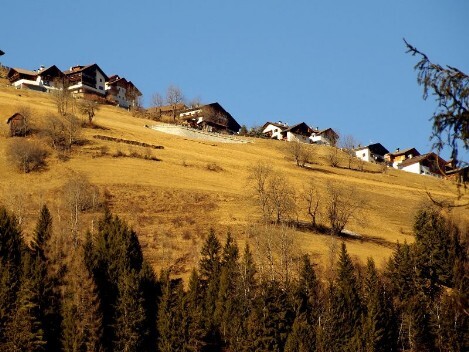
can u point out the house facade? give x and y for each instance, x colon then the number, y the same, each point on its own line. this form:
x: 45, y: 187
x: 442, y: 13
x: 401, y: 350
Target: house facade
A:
x: 87, y: 81
x: 211, y: 117
x: 427, y: 164
x: 395, y: 158
x: 121, y: 92
x: 371, y: 153
x: 298, y: 133
x: 274, y: 129
x: 43, y: 79
x: 327, y: 136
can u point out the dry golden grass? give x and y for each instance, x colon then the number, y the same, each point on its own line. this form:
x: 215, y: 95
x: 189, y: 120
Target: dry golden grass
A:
x: 172, y: 203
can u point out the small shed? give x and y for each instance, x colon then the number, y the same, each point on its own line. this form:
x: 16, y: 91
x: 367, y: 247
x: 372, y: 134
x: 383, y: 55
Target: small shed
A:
x: 18, y: 126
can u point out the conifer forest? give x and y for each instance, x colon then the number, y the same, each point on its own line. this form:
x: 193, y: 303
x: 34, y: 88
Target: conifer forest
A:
x: 99, y: 294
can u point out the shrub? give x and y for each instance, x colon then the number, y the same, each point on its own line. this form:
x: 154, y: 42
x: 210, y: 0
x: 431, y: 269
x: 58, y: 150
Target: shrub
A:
x: 26, y: 155
x: 214, y: 167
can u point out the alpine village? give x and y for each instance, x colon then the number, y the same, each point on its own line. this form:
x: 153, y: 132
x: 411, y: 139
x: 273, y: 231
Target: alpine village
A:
x: 174, y: 228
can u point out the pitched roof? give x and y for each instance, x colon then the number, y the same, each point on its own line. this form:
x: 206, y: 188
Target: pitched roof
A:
x: 375, y: 148
x: 404, y: 151
x: 25, y: 72
x: 16, y: 114
x: 276, y: 124
x: 423, y: 157
x: 298, y: 126
x: 80, y: 68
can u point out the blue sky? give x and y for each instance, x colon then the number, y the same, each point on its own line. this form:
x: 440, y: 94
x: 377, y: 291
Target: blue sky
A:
x: 339, y: 63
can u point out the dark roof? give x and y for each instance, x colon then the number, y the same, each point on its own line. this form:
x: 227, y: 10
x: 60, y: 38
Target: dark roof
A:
x: 16, y: 114
x: 325, y: 130
x: 233, y: 125
x: 25, y: 72
x: 404, y: 151
x: 80, y: 68
x: 299, y: 127
x: 376, y: 148
x: 423, y: 157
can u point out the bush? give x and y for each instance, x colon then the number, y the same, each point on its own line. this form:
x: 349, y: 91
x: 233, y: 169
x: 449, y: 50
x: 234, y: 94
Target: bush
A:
x: 26, y: 155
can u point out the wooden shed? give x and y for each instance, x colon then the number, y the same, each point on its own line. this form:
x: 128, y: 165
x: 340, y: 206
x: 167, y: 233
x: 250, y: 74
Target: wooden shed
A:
x: 18, y: 125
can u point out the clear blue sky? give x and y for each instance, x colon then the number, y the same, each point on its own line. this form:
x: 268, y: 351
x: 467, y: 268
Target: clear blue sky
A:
x: 339, y: 64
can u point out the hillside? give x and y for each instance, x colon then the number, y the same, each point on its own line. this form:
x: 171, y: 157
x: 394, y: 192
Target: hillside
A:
x: 172, y: 203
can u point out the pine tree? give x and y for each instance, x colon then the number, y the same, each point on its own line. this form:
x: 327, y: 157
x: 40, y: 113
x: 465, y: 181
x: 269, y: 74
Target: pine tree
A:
x: 130, y: 314
x: 171, y: 336
x: 11, y: 247
x: 379, y: 331
x: 23, y: 331
x: 210, y: 266
x: 82, y: 320
x: 193, y: 315
x: 151, y: 291
x: 346, y: 307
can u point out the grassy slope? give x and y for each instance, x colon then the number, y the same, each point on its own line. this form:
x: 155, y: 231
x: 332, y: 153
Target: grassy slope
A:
x: 172, y: 203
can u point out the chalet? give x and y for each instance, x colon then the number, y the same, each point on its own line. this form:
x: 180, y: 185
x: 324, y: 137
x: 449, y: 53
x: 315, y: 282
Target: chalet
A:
x: 211, y: 117
x: 298, y: 133
x: 398, y: 156
x: 426, y: 164
x: 87, y: 81
x: 18, y: 125
x: 327, y: 136
x: 460, y: 175
x: 121, y: 92
x: 371, y: 153
x: 274, y: 129
x: 42, y: 80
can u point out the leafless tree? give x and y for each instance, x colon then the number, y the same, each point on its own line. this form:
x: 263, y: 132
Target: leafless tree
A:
x: 258, y: 176
x: 88, y: 108
x: 310, y: 196
x: 63, y: 97
x: 280, y: 198
x: 301, y: 152
x: 348, y: 144
x: 333, y: 156
x: 174, y: 97
x: 26, y: 155
x: 79, y: 195
x: 341, y: 206
x: 157, y: 103
x: 62, y: 131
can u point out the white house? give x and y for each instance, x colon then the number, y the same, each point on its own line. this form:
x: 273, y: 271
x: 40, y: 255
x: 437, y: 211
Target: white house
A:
x: 210, y: 117
x: 274, y: 129
x: 42, y: 79
x: 371, y: 153
x: 87, y: 80
x: 327, y: 136
x: 427, y: 164
x: 300, y: 132
x: 121, y: 92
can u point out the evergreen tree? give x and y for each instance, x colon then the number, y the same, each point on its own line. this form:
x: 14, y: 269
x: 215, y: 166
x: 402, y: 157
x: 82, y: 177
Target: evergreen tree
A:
x: 130, y: 314
x: 379, y: 328
x: 210, y: 266
x: 171, y: 335
x: 23, y: 331
x: 11, y: 246
x: 346, y: 307
x: 81, y: 314
x: 193, y: 315
x: 151, y: 291
x: 227, y: 302
x: 46, y: 286
x: 306, y: 298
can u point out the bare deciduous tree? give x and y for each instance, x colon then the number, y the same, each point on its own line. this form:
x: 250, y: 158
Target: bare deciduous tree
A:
x: 311, y: 198
x: 275, y: 195
x: 301, y: 152
x: 348, y: 144
x: 26, y: 155
x: 63, y: 97
x: 79, y: 195
x: 157, y: 103
x: 62, y: 131
x: 174, y: 97
x: 88, y: 108
x: 333, y: 156
x: 342, y: 205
